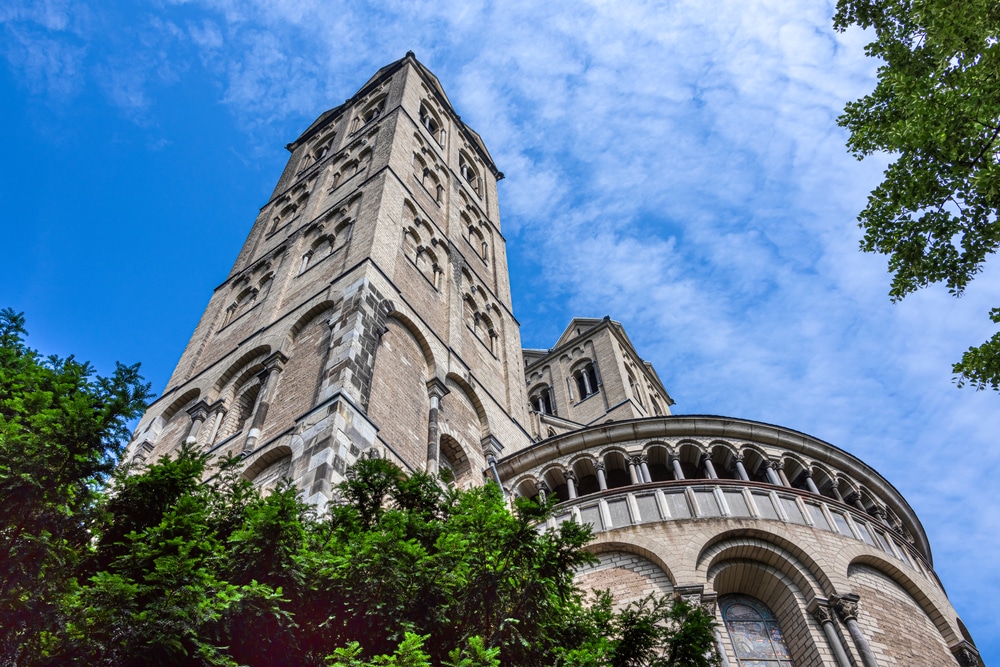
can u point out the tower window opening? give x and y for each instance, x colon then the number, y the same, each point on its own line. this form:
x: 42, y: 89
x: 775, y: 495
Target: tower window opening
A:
x: 541, y: 400
x: 586, y: 380
x: 430, y: 122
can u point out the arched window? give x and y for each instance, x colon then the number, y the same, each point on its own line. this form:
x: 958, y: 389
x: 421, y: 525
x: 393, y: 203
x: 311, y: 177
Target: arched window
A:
x: 586, y: 380
x: 469, y: 173
x: 541, y: 400
x: 754, y: 632
x: 430, y: 121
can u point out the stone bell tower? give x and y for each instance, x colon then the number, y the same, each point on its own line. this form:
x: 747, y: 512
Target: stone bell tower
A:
x: 368, y: 311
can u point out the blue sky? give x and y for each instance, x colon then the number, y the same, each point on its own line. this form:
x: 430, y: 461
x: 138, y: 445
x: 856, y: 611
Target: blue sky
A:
x: 674, y: 165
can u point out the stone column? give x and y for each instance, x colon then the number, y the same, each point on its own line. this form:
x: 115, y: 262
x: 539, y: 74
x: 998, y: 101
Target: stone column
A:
x: 644, y: 467
x: 706, y: 462
x: 436, y: 391
x: 772, y: 477
x: 199, y: 413
x: 779, y: 466
x: 268, y: 379
x: 882, y: 516
x: 602, y: 480
x: 820, y: 609
x: 847, y: 609
x: 570, y: 483
x: 675, y: 463
x: 218, y: 411
x: 633, y: 469
x: 741, y: 471
x: 855, y: 501
x: 811, y: 485
x: 542, y: 488
x: 836, y: 492
x: 695, y: 595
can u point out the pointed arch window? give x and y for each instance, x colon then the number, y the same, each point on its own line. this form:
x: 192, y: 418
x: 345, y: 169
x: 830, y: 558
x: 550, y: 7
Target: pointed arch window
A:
x: 754, y: 633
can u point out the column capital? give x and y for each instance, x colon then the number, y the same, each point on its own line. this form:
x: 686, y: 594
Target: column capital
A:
x: 737, y: 458
x: 491, y: 446
x: 541, y: 486
x: 966, y: 654
x: 275, y: 362
x: 695, y: 595
x: 674, y: 457
x: 199, y: 410
x: 569, y: 474
x: 635, y: 460
x: 599, y: 465
x: 436, y: 388
x: 778, y: 465
x: 846, y: 606
x: 820, y: 609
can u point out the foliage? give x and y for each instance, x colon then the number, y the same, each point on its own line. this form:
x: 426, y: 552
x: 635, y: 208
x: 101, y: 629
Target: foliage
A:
x: 180, y: 563
x: 936, y: 109
x: 61, y: 431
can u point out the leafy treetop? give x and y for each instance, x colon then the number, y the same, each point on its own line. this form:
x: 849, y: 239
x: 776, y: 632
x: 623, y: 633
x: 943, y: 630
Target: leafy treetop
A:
x: 936, y: 109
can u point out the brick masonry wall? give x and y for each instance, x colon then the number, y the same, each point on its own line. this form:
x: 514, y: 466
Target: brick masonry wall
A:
x: 628, y: 576
x: 898, y: 630
x: 399, y: 402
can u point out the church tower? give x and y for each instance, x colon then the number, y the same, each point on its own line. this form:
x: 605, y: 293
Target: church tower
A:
x: 369, y: 308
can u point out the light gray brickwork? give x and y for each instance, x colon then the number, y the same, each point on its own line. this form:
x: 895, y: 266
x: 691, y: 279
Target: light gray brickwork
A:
x: 369, y: 313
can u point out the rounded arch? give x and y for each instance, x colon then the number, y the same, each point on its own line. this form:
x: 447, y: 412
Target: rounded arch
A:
x: 612, y: 546
x: 691, y: 453
x: 658, y: 461
x: 187, y: 397
x: 470, y: 393
x: 796, y: 469
x: 775, y: 589
x: 304, y: 321
x: 254, y: 355
x: 889, y: 597
x: 454, y: 458
x: 724, y: 459
x: 754, y: 459
x: 399, y: 401
x: 615, y: 461
x: 824, y: 479
x: 903, y: 580
x: 584, y: 467
x: 755, y: 544
x: 417, y: 334
x: 263, y: 459
x: 525, y: 486
x: 554, y: 477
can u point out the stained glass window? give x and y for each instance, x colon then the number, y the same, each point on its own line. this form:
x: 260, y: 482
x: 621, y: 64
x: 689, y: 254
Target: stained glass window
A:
x: 754, y: 632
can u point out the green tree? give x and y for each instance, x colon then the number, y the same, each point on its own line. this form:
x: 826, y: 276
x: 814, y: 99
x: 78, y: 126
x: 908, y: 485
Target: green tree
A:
x: 936, y: 110
x: 62, y: 429
x: 190, y: 570
x: 184, y: 562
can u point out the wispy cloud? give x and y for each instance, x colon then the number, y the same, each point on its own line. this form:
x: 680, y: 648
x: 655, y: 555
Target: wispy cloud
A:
x: 675, y: 166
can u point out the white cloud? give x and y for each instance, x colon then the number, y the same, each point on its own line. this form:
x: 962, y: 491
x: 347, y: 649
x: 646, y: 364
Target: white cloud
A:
x: 674, y: 166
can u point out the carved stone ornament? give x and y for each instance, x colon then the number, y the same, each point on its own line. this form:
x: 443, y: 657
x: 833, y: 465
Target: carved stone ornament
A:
x: 966, y: 654
x: 846, y: 606
x: 599, y: 465
x: 822, y: 614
